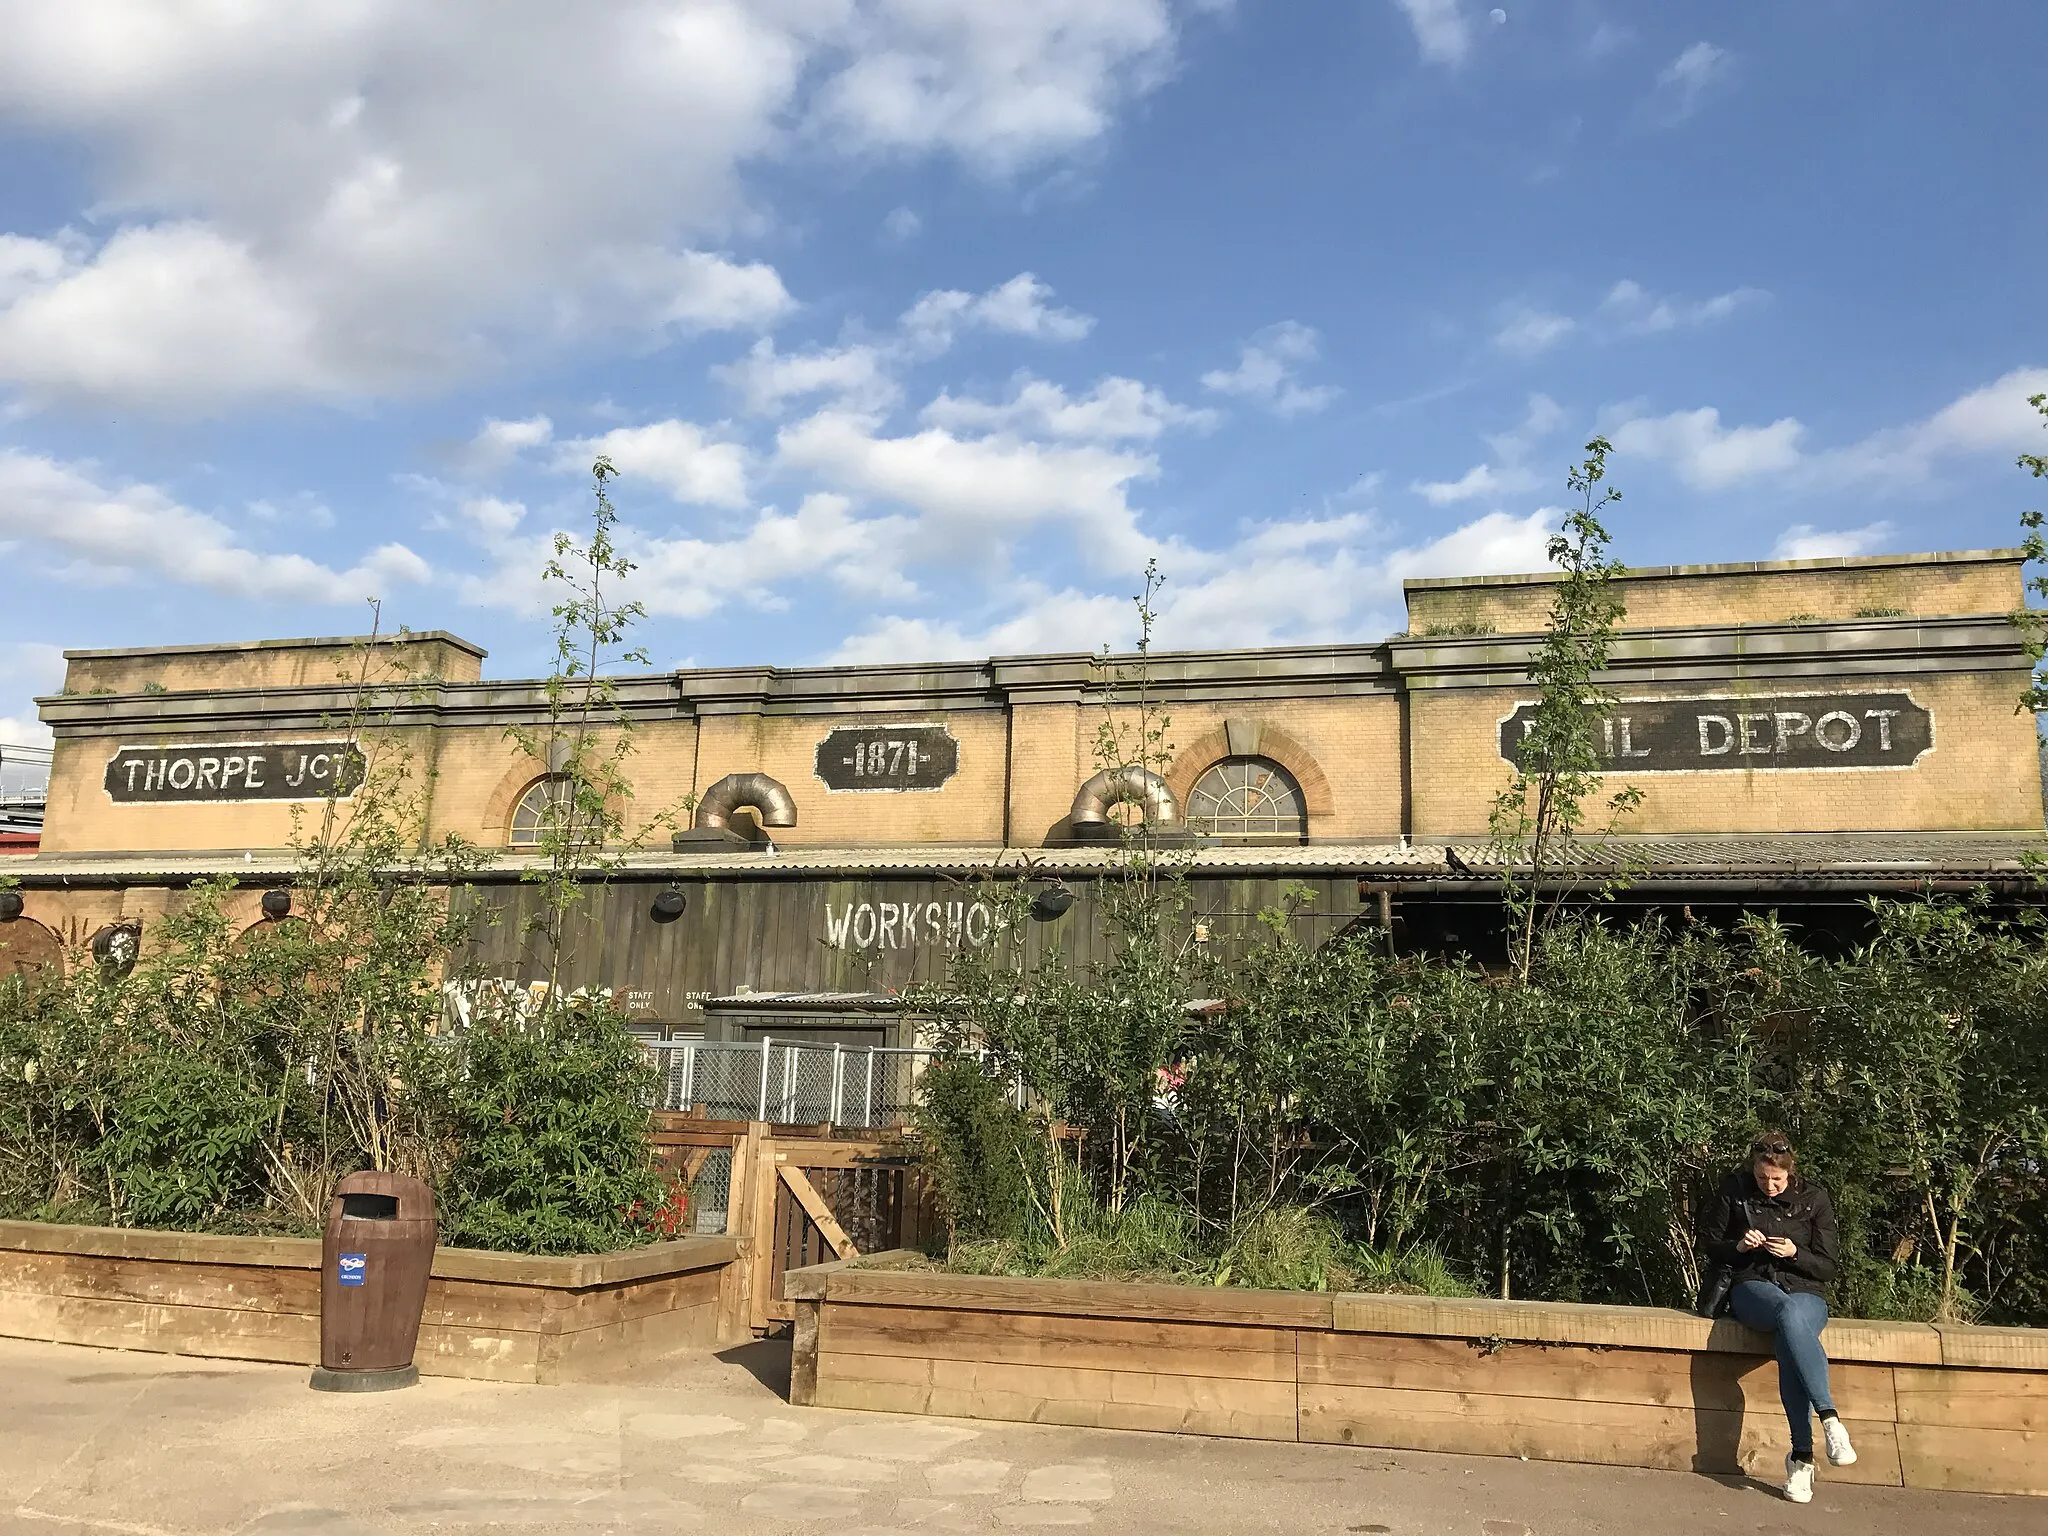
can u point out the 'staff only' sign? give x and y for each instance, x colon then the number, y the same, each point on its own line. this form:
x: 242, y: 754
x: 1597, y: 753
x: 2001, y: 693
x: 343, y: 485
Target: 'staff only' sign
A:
x: 1831, y: 730
x: 235, y: 771
x: 888, y: 757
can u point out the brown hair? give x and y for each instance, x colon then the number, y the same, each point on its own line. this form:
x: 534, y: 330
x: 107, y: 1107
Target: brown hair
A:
x: 1773, y: 1149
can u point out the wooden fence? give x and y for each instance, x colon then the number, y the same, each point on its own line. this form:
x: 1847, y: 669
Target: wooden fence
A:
x: 795, y: 1195
x: 1958, y: 1408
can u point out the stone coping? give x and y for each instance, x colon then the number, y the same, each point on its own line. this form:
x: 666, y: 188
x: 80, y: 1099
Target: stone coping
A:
x: 882, y: 1278
x: 1733, y: 568
x: 573, y: 1272
x: 290, y: 643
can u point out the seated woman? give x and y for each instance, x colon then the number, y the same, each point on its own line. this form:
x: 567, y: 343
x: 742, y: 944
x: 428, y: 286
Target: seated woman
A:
x: 1776, y: 1232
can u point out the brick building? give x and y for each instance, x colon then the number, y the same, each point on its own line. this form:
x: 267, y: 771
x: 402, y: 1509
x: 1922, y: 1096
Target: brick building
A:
x: 1806, y: 732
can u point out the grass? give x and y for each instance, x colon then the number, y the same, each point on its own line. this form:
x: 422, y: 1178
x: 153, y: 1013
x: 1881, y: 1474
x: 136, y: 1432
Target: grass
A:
x: 1286, y: 1248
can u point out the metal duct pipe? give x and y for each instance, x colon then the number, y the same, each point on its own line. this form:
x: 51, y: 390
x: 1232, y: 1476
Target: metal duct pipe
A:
x: 764, y: 796
x: 1118, y: 786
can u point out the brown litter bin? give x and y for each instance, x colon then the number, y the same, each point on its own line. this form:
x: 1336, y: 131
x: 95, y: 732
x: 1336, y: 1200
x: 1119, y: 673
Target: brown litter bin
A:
x: 378, y: 1253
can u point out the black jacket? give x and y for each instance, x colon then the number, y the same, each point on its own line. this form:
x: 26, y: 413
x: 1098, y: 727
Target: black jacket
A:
x: 1803, y: 1213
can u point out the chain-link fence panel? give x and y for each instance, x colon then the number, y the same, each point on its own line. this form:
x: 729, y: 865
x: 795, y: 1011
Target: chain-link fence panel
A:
x: 785, y: 1083
x: 711, y: 1194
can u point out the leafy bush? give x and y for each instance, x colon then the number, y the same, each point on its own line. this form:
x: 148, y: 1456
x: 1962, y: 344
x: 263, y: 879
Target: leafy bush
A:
x: 982, y: 1154
x: 550, y: 1116
x: 1419, y: 1120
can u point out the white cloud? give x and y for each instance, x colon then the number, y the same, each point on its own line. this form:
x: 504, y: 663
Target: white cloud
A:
x: 28, y: 668
x: 1687, y: 78
x: 1995, y: 417
x: 1315, y: 580
x: 1016, y: 308
x: 766, y: 380
x: 1267, y: 367
x: 675, y: 455
x: 999, y: 84
x: 692, y: 577
x: 137, y: 532
x: 974, y: 495
x: 1543, y: 418
x: 1480, y: 480
x: 1116, y: 410
x: 1707, y: 455
x: 1639, y: 313
x: 1066, y: 620
x: 1494, y: 545
x: 353, y: 198
x: 1442, y: 29
x: 498, y: 444
x: 491, y: 517
x: 170, y: 312
x: 1530, y: 331
x: 902, y: 225
x: 1803, y: 541
x: 1509, y: 473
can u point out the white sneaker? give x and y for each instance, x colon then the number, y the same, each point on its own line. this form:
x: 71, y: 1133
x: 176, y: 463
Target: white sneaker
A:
x: 1798, y: 1481
x: 1840, y: 1451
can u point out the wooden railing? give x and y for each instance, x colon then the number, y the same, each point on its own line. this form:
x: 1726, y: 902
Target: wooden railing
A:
x: 795, y: 1195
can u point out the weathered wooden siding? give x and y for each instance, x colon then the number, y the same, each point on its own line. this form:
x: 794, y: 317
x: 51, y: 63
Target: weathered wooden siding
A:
x: 1949, y: 1408
x: 768, y: 934
x: 489, y: 1316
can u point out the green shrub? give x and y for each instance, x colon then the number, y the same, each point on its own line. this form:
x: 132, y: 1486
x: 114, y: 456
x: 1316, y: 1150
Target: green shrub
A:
x: 981, y: 1154
x: 186, y: 1144
x: 550, y: 1118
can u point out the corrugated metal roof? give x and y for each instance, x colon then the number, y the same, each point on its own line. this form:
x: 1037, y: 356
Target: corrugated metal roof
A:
x: 1954, y: 855
x: 822, y: 1002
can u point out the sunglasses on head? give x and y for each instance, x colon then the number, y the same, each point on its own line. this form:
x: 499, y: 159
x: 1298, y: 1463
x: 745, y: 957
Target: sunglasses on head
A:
x: 1776, y: 1146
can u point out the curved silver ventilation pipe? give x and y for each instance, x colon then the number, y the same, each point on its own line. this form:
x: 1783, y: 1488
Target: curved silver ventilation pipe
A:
x: 1119, y: 786
x: 765, y: 796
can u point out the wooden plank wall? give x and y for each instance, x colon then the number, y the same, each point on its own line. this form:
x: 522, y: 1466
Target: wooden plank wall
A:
x: 768, y: 933
x: 239, y: 1299
x: 1620, y: 1386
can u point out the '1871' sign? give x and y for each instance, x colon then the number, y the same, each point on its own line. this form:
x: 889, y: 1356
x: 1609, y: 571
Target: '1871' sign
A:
x: 888, y: 757
x: 1833, y: 730
x: 243, y: 770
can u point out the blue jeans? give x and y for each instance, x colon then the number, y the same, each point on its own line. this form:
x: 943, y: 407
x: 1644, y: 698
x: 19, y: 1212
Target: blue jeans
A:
x: 1796, y: 1319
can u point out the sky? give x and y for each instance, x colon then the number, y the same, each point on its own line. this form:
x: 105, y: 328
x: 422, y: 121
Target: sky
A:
x: 915, y: 328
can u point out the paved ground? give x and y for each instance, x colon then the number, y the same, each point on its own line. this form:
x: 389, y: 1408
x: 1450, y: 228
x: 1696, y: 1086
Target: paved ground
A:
x: 99, y: 1441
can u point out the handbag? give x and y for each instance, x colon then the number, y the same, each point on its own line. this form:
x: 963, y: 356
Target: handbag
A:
x: 1718, y: 1283
x: 1716, y: 1286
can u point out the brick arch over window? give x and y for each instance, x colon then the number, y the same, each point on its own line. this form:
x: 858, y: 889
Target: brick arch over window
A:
x: 26, y: 945
x: 1253, y: 738
x: 497, y: 824
x: 498, y: 810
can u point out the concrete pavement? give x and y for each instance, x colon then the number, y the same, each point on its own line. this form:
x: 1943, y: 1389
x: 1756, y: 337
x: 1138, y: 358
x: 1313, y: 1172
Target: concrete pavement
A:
x: 100, y: 1441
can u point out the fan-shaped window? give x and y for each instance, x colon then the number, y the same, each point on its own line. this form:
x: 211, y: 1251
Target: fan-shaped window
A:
x: 540, y: 810
x: 1247, y: 797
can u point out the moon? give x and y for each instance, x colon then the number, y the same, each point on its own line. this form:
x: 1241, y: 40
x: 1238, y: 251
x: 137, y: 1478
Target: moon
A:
x: 1499, y: 16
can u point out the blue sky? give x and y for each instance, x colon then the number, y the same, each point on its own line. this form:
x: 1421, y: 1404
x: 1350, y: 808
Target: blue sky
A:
x: 916, y: 326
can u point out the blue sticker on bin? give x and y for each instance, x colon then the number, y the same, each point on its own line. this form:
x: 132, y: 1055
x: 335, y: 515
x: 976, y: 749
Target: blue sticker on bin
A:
x: 351, y: 1268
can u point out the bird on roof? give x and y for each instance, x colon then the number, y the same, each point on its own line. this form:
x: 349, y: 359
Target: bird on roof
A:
x: 1457, y: 862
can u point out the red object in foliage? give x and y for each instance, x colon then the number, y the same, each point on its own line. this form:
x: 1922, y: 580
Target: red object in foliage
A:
x: 671, y: 1218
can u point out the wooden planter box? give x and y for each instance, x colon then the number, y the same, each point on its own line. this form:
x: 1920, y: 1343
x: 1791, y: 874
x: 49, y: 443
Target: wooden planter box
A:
x: 489, y: 1316
x: 1929, y: 1407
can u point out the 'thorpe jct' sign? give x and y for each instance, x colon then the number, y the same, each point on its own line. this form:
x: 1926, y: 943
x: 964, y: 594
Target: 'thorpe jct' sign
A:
x: 1818, y: 730
x: 234, y: 771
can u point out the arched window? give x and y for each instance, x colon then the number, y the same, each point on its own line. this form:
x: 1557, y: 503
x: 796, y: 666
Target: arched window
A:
x: 539, y: 810
x: 1247, y: 797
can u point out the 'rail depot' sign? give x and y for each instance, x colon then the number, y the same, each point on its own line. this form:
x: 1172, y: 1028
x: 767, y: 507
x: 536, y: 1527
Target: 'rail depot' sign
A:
x: 225, y: 773
x: 1833, y: 730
